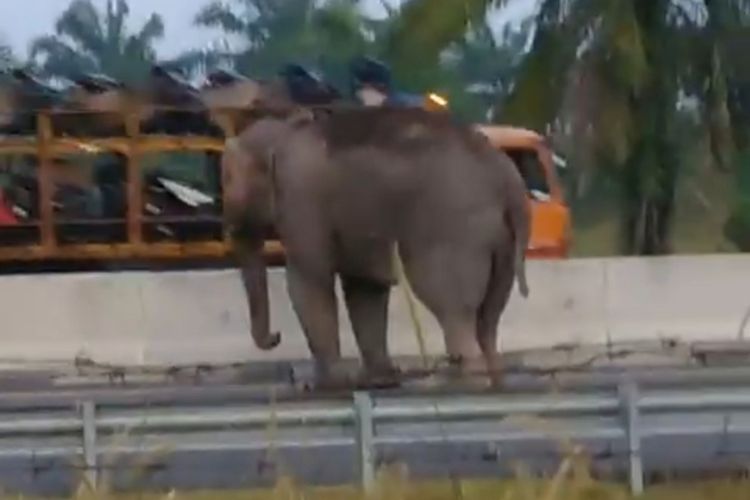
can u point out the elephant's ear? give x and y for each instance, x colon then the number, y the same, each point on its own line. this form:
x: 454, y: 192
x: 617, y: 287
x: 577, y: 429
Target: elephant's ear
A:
x: 300, y: 117
x: 232, y: 146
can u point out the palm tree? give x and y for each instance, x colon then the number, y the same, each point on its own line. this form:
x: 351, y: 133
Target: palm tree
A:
x: 277, y: 32
x: 6, y: 55
x: 628, y: 64
x: 485, y: 66
x: 728, y: 111
x: 327, y: 35
x: 88, y: 40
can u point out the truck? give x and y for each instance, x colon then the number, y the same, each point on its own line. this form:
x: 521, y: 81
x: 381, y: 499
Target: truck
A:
x: 117, y: 201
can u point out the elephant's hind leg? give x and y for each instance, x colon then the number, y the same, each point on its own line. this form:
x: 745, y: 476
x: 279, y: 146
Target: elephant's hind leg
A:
x: 451, y: 282
x: 367, y: 303
x: 498, y: 292
x: 464, y: 356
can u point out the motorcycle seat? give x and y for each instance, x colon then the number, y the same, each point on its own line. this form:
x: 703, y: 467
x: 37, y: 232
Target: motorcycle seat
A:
x: 306, y: 87
x: 223, y: 78
x: 33, y: 92
x: 170, y: 88
x: 97, y: 83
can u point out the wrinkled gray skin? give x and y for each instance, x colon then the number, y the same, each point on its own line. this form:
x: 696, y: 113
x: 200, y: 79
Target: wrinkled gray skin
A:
x: 341, y: 190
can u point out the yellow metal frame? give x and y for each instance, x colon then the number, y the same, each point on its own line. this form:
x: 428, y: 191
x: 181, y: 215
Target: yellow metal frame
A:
x: 45, y: 146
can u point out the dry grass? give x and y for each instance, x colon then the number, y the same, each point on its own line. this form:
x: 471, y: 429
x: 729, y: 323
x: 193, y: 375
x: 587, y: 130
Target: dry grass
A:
x: 571, y: 482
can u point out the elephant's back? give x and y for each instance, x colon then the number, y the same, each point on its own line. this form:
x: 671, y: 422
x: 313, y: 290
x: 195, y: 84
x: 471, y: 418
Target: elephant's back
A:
x: 391, y: 128
x: 386, y: 193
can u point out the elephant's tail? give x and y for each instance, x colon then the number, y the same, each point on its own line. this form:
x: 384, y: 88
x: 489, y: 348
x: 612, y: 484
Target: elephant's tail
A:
x: 520, y: 220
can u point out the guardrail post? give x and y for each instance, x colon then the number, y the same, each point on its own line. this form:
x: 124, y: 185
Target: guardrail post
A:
x: 88, y: 416
x: 629, y: 400
x: 365, y: 435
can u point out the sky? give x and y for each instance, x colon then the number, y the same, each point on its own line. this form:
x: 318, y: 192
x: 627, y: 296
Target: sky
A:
x: 23, y: 20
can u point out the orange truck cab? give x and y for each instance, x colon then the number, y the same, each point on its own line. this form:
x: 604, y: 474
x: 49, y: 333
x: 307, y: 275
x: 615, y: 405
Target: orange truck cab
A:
x: 537, y: 163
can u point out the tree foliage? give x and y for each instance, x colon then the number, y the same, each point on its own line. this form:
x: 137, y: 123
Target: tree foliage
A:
x: 617, y: 81
x: 277, y: 32
x: 6, y: 57
x: 615, y: 75
x: 88, y: 40
x: 327, y: 34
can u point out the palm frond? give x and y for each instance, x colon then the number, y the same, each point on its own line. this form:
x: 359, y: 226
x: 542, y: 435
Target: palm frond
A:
x: 81, y: 23
x: 115, y: 26
x: 422, y: 31
x: 200, y: 61
x: 217, y: 15
x: 718, y: 70
x: 7, y: 58
x: 88, y: 40
x: 622, y: 37
x: 390, y: 10
x: 133, y: 62
x: 60, y: 59
x: 611, y: 118
x: 717, y: 117
x: 152, y: 30
x: 538, y: 89
x: 339, y: 27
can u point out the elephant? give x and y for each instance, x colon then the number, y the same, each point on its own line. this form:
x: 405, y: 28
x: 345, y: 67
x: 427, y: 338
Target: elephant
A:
x: 343, y: 187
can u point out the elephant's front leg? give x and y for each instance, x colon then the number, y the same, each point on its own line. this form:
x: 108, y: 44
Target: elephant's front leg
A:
x: 314, y: 301
x: 367, y: 303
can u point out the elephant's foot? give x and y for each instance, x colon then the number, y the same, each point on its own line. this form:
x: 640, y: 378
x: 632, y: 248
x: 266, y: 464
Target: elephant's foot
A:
x: 385, y: 376
x: 497, y: 379
x: 495, y: 371
x: 466, y: 383
x: 468, y: 374
x: 333, y: 384
x: 333, y: 378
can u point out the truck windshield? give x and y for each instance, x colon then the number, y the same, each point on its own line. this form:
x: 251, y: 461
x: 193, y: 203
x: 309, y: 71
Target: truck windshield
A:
x: 531, y: 169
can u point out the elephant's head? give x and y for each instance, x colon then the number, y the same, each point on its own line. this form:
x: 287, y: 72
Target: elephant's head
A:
x: 248, y: 170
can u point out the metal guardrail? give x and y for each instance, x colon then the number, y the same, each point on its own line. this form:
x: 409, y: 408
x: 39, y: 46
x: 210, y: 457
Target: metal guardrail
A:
x: 367, y: 420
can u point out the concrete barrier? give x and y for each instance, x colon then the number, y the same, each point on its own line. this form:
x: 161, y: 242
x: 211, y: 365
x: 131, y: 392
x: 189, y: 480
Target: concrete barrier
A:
x: 136, y: 318
x: 685, y: 297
